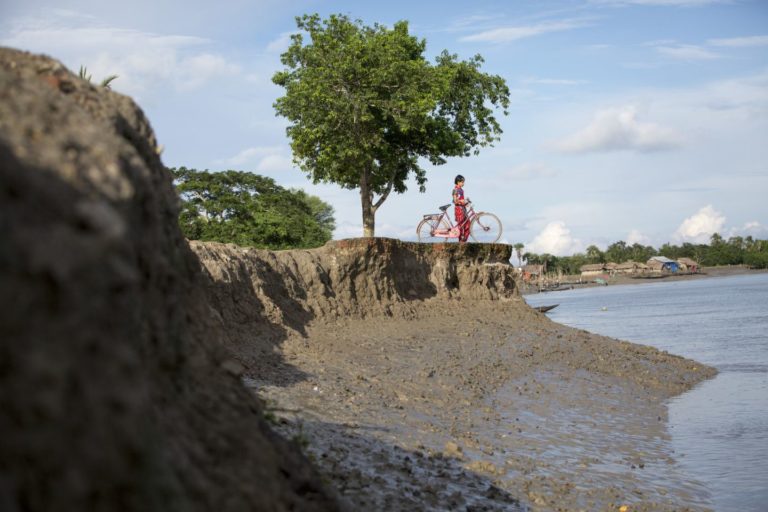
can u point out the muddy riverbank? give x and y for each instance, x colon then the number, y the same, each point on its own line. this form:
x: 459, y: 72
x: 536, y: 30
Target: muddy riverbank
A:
x: 577, y: 281
x: 401, y: 376
x: 482, y: 405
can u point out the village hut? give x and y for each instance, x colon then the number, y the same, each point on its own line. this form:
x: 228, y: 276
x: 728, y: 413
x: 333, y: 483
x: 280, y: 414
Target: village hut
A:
x: 662, y: 264
x: 688, y: 265
x: 593, y: 269
x: 628, y: 267
x: 611, y: 267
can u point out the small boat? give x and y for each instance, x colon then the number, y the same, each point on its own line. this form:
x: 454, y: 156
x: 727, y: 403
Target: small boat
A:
x: 544, y: 309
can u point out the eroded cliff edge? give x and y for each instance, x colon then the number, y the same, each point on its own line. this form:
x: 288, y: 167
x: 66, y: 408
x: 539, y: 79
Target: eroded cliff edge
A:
x: 258, y: 298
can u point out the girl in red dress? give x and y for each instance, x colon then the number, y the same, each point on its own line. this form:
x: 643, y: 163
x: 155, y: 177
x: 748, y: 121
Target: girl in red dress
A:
x: 460, y: 210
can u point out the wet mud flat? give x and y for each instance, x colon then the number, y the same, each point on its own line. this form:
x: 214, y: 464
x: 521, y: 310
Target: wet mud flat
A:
x: 482, y: 405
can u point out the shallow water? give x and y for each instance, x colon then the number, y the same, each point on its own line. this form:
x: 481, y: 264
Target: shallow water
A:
x: 719, y: 430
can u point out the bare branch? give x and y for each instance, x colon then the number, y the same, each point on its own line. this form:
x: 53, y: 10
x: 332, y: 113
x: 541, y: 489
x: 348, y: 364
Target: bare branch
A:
x: 386, y: 192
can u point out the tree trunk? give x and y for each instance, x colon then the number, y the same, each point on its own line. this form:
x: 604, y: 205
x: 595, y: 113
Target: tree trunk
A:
x: 366, y: 201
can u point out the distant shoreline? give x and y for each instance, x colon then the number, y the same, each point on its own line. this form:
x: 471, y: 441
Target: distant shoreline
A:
x: 572, y: 282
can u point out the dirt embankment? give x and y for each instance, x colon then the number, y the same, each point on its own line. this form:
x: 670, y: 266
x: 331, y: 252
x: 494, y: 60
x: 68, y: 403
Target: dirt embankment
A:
x: 261, y: 298
x: 114, y: 392
x: 418, y: 378
x: 414, y: 376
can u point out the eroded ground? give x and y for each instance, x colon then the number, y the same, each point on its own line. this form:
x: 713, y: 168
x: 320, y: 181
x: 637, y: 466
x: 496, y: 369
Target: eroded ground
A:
x: 483, y: 405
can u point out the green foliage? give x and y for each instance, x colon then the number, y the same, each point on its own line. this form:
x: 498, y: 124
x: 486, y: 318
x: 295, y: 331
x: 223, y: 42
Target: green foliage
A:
x: 619, y: 252
x: 83, y: 73
x: 734, y: 251
x: 364, y: 105
x: 249, y: 210
x: 595, y: 255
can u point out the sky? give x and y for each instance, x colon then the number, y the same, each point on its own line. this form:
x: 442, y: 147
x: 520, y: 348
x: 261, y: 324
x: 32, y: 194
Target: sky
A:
x: 630, y: 120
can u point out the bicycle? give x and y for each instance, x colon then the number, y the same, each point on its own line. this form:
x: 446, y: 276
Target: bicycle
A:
x: 437, y: 227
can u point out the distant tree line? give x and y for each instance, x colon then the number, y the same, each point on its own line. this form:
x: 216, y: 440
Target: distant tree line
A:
x: 736, y: 250
x: 249, y: 210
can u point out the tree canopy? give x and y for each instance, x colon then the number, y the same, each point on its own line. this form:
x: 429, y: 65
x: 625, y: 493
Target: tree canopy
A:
x: 364, y: 105
x: 250, y: 210
x: 734, y: 251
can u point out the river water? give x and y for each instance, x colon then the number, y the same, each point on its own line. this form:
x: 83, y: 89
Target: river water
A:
x: 719, y: 430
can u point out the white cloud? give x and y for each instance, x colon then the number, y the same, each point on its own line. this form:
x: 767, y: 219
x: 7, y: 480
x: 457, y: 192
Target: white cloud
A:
x: 699, y: 227
x: 280, y: 44
x: 196, y: 70
x: 752, y: 228
x: 508, y: 34
x: 687, y: 52
x: 264, y: 159
x: 635, y: 237
x: 660, y: 3
x: 555, y: 239
x: 619, y: 129
x: 345, y: 229
x: 529, y: 171
x: 274, y: 163
x: 471, y: 22
x: 740, y: 42
x: 143, y: 61
x: 552, y: 81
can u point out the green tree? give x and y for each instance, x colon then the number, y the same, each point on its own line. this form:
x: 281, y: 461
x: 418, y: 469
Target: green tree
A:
x: 364, y: 105
x: 320, y: 211
x: 641, y: 253
x: 249, y: 210
x: 572, y: 264
x: 595, y: 255
x: 532, y: 258
x: 670, y: 251
x: 617, y: 252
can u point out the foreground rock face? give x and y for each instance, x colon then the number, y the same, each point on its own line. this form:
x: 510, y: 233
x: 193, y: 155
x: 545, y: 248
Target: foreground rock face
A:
x: 114, y: 393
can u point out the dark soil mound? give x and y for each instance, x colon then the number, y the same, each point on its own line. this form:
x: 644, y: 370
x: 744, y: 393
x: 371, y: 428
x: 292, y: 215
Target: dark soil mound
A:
x: 114, y: 391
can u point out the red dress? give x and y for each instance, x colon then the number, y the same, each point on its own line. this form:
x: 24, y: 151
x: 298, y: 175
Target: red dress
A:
x: 460, y: 212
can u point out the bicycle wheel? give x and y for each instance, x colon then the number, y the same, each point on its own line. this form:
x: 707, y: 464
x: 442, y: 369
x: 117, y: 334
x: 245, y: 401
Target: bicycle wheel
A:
x: 426, y: 230
x: 485, y: 228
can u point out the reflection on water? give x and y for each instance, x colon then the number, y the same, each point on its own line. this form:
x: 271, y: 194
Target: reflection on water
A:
x: 719, y: 430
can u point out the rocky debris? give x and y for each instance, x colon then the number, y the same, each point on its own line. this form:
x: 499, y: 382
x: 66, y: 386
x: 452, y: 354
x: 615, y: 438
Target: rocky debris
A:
x: 115, y: 393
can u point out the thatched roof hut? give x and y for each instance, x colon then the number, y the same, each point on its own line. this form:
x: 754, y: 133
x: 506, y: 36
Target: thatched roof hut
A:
x: 628, y: 267
x: 662, y: 263
x: 592, y: 269
x: 687, y: 264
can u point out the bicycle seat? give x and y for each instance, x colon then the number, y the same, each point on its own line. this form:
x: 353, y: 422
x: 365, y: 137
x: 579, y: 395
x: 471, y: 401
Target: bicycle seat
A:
x: 443, y: 208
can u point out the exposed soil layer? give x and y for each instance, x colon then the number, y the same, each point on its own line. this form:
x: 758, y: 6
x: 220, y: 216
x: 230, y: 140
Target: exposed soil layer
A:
x: 444, y: 401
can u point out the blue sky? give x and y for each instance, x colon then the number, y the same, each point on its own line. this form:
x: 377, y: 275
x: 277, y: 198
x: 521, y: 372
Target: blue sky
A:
x: 637, y: 120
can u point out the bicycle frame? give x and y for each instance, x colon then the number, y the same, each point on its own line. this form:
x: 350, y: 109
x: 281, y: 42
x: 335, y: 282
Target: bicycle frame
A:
x: 455, y: 229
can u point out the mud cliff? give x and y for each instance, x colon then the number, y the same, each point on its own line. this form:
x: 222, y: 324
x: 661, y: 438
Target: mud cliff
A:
x: 115, y: 393
x: 258, y: 297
